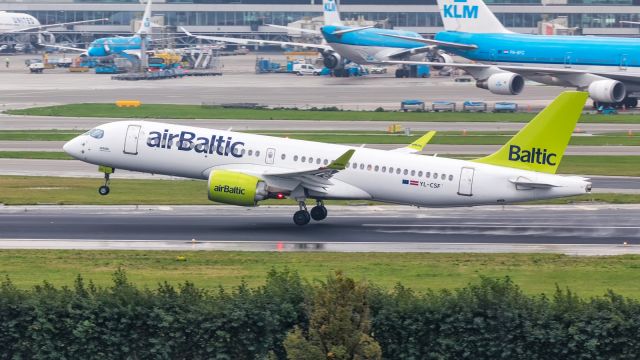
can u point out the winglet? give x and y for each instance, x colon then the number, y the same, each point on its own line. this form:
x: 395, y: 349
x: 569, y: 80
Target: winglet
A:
x: 341, y: 162
x: 540, y: 145
x: 419, y: 144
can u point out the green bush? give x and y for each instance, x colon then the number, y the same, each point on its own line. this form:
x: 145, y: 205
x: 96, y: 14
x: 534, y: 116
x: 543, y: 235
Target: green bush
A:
x: 337, y: 319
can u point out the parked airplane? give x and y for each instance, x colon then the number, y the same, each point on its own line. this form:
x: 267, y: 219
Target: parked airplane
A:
x: 120, y: 45
x: 243, y: 169
x: 20, y: 25
x: 607, y: 67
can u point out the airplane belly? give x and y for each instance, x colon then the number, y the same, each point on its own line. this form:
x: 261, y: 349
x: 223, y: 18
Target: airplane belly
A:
x: 359, y: 54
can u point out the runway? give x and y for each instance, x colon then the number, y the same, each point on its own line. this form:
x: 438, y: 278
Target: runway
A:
x: 73, y: 168
x: 579, y: 229
x: 12, y: 122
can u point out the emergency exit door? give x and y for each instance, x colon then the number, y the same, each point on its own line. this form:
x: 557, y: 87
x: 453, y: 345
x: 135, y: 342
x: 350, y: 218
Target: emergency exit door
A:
x: 131, y: 140
x: 465, y: 187
x: 271, y: 155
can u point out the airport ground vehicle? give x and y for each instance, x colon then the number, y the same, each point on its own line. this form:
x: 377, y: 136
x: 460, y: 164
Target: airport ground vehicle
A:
x: 305, y: 69
x: 244, y: 169
x: 412, y: 105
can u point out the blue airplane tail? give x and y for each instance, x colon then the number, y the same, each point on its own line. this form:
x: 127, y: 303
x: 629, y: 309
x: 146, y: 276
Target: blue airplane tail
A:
x: 471, y: 16
x: 331, y: 13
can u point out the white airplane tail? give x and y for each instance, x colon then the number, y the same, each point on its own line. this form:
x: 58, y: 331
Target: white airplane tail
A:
x: 331, y: 13
x: 472, y: 16
x: 146, y: 25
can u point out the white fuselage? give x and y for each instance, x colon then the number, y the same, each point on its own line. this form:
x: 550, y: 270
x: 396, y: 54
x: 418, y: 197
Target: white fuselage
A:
x: 12, y: 22
x: 372, y: 174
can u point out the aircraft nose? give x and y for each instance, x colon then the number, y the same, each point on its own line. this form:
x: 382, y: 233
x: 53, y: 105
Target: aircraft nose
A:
x: 74, y: 148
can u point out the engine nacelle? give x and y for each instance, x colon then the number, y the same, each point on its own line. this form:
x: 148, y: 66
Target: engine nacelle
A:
x: 506, y: 83
x: 332, y: 60
x: 441, y: 58
x: 607, y: 91
x: 235, y: 188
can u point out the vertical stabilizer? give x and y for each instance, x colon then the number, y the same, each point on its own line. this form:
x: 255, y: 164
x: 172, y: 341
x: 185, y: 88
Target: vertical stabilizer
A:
x: 471, y: 16
x: 331, y: 13
x: 540, y: 145
x: 145, y: 24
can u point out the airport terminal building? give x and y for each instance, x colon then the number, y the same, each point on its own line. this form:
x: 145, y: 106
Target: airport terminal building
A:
x: 247, y: 17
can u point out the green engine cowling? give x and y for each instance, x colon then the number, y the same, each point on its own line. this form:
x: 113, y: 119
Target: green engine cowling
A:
x: 236, y: 188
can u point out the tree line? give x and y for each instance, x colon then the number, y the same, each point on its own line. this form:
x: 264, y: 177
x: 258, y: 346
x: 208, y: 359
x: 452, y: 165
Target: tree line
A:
x: 290, y: 318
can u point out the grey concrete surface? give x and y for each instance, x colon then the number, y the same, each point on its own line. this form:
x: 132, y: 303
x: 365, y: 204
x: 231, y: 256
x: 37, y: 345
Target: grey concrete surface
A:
x: 577, y: 229
x: 240, y: 84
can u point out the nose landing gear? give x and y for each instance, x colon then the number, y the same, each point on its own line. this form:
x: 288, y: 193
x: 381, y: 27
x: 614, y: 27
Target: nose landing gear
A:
x: 104, y: 189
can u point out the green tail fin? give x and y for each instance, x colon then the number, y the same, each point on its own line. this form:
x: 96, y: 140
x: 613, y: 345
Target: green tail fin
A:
x: 540, y: 145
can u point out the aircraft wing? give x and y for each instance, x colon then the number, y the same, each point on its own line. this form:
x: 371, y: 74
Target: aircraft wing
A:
x: 418, y: 145
x: 316, y: 179
x: 434, y: 42
x: 43, y: 27
x: 257, y: 42
x: 570, y: 75
x: 68, y: 48
x: 408, y: 52
x: 293, y: 29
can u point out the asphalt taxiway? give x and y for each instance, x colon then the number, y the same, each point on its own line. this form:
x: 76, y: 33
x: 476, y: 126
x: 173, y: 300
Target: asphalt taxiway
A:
x: 573, y: 229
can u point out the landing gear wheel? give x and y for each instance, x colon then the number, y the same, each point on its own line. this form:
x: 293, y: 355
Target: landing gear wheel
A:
x: 103, y: 190
x: 319, y: 213
x: 301, y: 217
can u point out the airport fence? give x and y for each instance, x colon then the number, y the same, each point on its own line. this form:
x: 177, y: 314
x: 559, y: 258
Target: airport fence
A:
x: 290, y: 318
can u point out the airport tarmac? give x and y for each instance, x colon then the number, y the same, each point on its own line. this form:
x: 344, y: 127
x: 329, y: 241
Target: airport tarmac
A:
x: 240, y: 84
x: 573, y: 229
x: 73, y: 168
x: 11, y: 122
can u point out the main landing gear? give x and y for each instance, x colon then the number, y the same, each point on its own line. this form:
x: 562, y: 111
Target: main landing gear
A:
x: 104, y: 189
x: 303, y: 217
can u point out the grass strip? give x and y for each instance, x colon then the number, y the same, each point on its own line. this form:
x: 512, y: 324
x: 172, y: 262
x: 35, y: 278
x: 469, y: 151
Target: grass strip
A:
x: 172, y: 111
x: 34, y: 190
x: 535, y: 273
x: 368, y: 137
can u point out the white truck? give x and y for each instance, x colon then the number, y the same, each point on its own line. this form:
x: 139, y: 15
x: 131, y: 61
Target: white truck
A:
x: 305, y: 69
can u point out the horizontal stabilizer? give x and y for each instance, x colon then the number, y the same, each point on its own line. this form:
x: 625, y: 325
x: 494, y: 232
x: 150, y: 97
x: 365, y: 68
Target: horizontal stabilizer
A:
x: 434, y: 42
x: 528, y: 184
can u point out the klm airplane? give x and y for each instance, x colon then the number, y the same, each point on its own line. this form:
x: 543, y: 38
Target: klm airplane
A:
x: 608, y: 68
x: 361, y: 45
x: 130, y: 45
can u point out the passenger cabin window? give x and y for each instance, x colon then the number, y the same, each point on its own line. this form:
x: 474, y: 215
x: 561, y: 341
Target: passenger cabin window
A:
x: 295, y: 158
x: 257, y: 153
x: 283, y: 156
x: 450, y: 177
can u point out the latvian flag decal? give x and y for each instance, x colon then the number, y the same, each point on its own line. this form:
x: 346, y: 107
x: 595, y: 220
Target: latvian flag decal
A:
x: 410, y: 182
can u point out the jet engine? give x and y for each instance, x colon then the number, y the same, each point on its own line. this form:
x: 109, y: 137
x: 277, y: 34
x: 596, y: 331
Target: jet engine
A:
x: 607, y: 91
x: 235, y: 188
x: 506, y: 83
x: 332, y: 60
x: 441, y: 58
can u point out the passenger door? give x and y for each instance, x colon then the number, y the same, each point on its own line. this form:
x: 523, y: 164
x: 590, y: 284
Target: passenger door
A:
x: 131, y: 140
x: 465, y: 187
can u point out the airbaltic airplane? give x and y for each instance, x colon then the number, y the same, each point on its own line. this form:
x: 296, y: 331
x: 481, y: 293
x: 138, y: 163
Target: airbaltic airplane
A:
x: 607, y: 67
x: 120, y: 45
x: 243, y: 169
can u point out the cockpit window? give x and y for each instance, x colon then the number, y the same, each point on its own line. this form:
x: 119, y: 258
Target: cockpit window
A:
x: 96, y: 133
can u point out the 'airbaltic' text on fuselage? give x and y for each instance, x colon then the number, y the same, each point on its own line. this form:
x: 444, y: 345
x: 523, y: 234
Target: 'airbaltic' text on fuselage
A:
x: 187, y: 141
